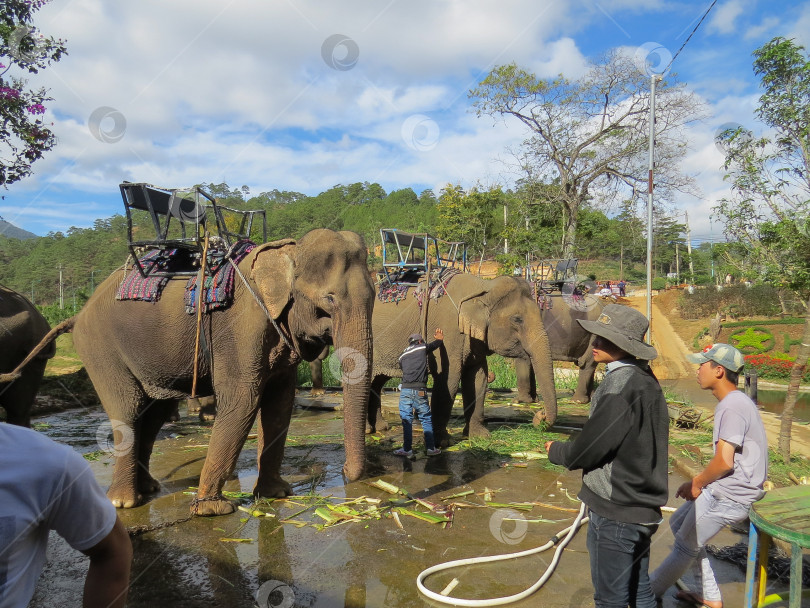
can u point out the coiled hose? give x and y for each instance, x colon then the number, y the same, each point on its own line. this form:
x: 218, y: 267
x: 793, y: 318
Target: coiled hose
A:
x: 563, y: 537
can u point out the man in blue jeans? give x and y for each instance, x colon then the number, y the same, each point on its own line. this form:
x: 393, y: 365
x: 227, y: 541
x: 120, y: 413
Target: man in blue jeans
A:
x: 622, y: 451
x: 413, y: 395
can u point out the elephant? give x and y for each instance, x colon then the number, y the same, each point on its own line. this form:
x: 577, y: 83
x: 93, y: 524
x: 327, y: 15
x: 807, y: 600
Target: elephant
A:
x: 479, y: 317
x: 568, y: 340
x: 292, y: 298
x: 21, y: 328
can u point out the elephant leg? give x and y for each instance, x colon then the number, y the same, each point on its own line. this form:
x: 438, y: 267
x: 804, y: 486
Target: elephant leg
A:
x: 122, y: 398
x: 526, y: 383
x: 375, y: 421
x: 236, y: 412
x: 474, y: 393
x: 587, y: 370
x: 149, y: 421
x: 443, y: 395
x: 274, y: 423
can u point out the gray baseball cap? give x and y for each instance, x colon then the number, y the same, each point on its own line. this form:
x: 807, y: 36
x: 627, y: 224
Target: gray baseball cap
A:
x: 722, y: 354
x: 415, y: 338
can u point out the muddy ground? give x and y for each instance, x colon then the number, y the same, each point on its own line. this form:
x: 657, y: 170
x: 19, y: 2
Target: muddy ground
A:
x: 355, y: 564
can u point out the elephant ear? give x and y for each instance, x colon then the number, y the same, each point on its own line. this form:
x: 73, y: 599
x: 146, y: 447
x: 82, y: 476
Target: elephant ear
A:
x: 273, y: 271
x: 466, y: 291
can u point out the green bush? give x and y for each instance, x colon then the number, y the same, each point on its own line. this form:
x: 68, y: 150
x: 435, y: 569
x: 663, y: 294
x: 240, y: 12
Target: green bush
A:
x: 659, y: 283
x: 737, y: 300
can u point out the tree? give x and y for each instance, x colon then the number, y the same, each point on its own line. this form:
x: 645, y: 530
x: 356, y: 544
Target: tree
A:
x: 468, y: 217
x: 769, y: 206
x: 590, y: 136
x: 24, y: 136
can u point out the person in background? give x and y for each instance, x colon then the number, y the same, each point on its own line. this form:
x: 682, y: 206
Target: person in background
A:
x: 622, y: 451
x: 622, y: 287
x: 413, y: 395
x: 47, y: 486
x: 724, y: 491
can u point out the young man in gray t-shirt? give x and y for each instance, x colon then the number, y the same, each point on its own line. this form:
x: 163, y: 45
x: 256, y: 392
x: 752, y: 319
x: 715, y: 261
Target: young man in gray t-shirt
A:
x: 724, y: 491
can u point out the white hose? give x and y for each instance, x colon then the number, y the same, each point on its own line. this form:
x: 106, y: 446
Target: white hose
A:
x: 569, y: 533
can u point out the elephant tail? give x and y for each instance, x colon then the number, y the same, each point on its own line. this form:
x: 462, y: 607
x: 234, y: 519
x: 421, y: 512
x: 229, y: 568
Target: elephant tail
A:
x: 64, y: 327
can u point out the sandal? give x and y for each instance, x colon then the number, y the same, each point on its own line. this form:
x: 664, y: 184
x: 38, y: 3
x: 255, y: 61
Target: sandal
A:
x: 693, y: 598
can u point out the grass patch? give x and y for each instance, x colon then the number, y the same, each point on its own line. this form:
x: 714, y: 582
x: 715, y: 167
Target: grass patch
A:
x: 505, y: 440
x: 779, y: 470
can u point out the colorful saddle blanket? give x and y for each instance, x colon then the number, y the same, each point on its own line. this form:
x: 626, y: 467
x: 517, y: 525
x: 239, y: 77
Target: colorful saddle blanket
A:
x: 438, y: 285
x: 218, y: 285
x: 158, y: 264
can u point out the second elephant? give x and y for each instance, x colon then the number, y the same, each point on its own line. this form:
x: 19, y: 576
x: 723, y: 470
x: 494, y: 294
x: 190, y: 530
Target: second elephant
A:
x: 479, y: 317
x: 568, y: 341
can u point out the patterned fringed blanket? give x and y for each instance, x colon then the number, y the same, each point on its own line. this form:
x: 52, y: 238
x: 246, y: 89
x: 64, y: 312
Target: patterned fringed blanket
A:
x: 438, y: 285
x: 218, y: 285
x: 148, y: 288
x: 391, y: 293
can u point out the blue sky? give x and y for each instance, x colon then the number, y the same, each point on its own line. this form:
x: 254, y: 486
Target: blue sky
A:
x: 302, y: 96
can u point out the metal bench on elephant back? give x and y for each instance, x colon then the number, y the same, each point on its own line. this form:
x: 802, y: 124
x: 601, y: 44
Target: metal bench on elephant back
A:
x: 180, y: 219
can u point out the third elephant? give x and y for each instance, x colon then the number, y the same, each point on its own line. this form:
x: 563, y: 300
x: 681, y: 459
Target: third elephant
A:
x: 479, y: 317
x: 568, y: 341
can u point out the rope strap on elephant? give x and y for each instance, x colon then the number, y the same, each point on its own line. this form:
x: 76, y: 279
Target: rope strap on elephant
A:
x: 438, y: 285
x: 218, y: 285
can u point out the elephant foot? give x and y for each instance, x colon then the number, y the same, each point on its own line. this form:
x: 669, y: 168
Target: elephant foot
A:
x: 276, y: 488
x: 211, y: 506
x: 442, y: 439
x: 206, y: 416
x: 539, y: 418
x: 370, y: 430
x: 525, y: 398
x: 317, y: 392
x: 175, y: 415
x: 382, y: 425
x: 581, y: 398
x: 147, y: 484
x: 124, y: 499
x: 476, y: 431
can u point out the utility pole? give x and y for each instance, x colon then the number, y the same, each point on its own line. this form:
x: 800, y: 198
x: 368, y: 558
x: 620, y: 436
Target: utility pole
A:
x: 505, y: 244
x: 677, y: 264
x: 689, y: 248
x: 61, y: 290
x: 653, y: 79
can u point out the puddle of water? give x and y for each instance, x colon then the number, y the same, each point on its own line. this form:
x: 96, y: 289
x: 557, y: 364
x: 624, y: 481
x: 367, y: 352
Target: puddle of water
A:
x: 354, y: 565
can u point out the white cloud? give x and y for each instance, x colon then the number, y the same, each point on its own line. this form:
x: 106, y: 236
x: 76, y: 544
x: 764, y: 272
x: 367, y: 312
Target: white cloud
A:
x: 768, y: 25
x: 724, y: 17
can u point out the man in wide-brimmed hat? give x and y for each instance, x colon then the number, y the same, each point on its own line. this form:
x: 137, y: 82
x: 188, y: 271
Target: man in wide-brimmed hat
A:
x: 722, y: 493
x: 622, y: 451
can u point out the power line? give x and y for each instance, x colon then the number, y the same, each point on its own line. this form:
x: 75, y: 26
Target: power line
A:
x: 689, y: 37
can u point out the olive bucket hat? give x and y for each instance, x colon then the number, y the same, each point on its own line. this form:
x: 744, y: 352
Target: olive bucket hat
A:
x: 625, y: 327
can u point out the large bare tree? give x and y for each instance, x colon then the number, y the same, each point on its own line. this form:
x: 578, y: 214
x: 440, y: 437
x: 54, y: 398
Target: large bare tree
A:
x: 590, y: 136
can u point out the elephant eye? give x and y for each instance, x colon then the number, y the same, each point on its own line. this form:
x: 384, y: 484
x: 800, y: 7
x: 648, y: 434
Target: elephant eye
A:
x: 517, y: 319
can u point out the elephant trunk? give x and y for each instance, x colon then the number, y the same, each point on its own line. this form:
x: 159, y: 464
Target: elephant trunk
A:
x: 353, y: 346
x: 544, y: 373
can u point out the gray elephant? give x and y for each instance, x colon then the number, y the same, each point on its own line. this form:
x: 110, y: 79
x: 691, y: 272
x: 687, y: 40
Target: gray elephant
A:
x: 21, y: 328
x: 569, y: 342
x: 296, y: 297
x: 479, y: 317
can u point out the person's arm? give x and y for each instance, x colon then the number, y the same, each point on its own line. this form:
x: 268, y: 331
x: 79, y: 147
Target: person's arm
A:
x: 438, y: 336
x: 107, y: 581
x: 602, y: 434
x: 721, y: 465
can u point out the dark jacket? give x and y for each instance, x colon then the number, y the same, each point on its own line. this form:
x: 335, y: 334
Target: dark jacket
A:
x: 413, y: 362
x: 622, y: 449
